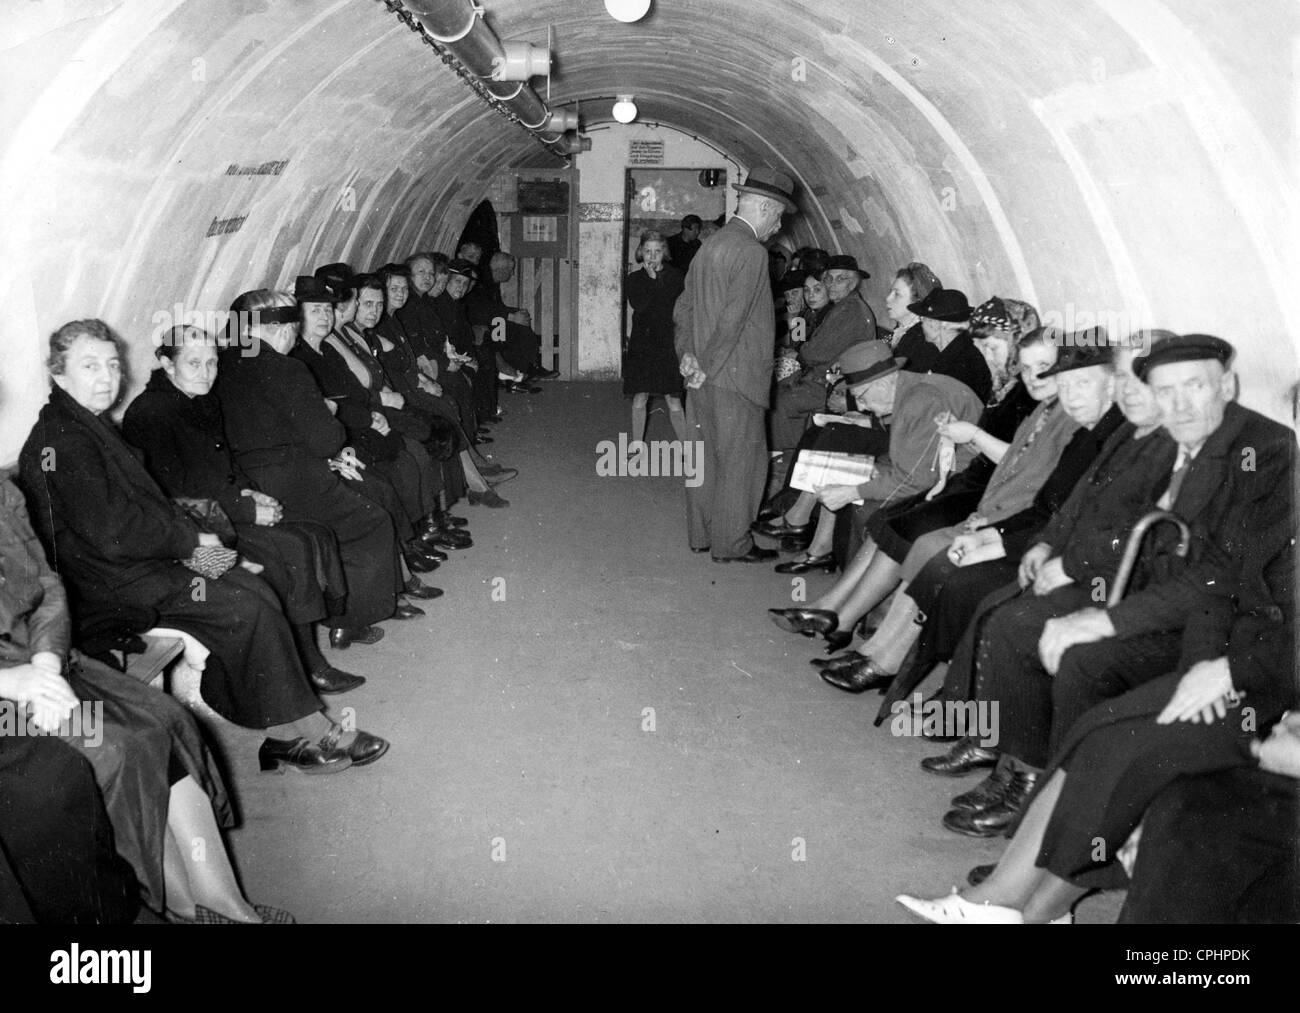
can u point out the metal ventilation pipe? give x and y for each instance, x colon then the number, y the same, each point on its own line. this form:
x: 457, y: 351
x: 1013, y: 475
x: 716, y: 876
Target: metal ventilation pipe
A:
x: 458, y: 26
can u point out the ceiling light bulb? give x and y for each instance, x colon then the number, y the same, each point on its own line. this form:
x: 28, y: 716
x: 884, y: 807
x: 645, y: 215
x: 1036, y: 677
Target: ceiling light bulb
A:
x: 625, y: 109
x: 627, y: 11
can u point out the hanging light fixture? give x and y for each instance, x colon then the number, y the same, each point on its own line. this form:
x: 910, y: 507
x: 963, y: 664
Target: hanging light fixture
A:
x: 624, y: 109
x: 627, y: 11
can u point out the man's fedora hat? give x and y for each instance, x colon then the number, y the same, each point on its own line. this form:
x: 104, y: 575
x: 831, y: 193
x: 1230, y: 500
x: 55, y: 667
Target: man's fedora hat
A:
x: 768, y: 182
x: 307, y: 288
x: 843, y: 262
x: 792, y: 279
x: 1183, y: 348
x: 867, y: 361
x: 463, y: 267
x: 947, y: 304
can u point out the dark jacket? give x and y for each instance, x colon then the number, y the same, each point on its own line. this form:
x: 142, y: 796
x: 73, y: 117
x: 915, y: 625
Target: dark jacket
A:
x: 354, y: 399
x: 107, y: 528
x: 962, y: 361
x: 455, y: 322
x: 277, y: 424
x: 1236, y: 487
x: 423, y: 325
x: 1090, y: 529
x: 1074, y: 461
x: 919, y: 353
x: 725, y: 316
x: 183, y: 440
x: 848, y: 322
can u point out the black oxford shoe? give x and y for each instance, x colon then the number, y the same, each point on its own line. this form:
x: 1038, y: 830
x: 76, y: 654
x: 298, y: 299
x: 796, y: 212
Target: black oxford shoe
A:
x: 407, y: 611
x: 809, y: 622
x: 754, y: 555
x: 965, y: 756
x: 779, y: 527
x: 331, y: 680
x: 341, y: 637
x: 419, y: 562
x: 998, y: 818
x: 365, y: 748
x: 858, y: 677
x: 306, y: 757
x: 988, y: 792
x: 424, y: 592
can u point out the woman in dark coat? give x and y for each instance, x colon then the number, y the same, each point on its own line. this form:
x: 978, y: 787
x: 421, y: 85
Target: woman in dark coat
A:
x: 650, y: 366
x: 177, y: 422
x: 159, y: 783
x: 116, y: 538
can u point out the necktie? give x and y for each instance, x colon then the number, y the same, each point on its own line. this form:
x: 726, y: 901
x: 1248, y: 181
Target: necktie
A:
x: 1170, y: 497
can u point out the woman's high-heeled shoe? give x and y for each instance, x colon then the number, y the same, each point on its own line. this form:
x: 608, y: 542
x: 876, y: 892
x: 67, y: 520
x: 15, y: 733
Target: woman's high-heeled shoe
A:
x: 838, y: 640
x: 488, y: 499
x: 808, y: 622
x: 839, y: 661
x: 858, y: 677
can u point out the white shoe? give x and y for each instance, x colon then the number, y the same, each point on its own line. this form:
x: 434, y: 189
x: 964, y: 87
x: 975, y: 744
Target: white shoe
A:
x: 956, y: 910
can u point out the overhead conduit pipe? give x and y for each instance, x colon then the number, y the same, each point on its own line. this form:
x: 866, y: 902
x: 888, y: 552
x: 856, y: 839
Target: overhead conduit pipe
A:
x: 457, y: 28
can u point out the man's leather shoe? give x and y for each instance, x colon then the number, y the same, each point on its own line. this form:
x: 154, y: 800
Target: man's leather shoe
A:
x: 419, y: 562
x: 988, y: 792
x: 330, y: 680
x: 301, y: 755
x: 809, y: 622
x: 999, y: 817
x: 447, y: 520
x: 824, y: 563
x: 408, y: 611
x: 779, y: 527
x: 341, y: 637
x: 858, y: 677
x: 980, y: 873
x: 365, y: 748
x: 754, y: 555
x: 446, y: 538
x: 487, y: 499
x: 424, y: 592
x: 965, y: 756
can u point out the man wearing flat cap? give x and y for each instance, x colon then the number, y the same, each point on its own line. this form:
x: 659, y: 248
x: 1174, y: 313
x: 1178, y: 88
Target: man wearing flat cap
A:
x: 849, y: 321
x: 1228, y: 473
x: 724, y: 323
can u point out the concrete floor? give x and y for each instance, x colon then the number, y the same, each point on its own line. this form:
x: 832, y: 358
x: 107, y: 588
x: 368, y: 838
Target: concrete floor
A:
x: 521, y: 786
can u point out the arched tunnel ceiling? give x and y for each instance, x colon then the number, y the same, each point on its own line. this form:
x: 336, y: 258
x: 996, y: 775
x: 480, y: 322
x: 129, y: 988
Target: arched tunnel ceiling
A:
x: 1099, y: 155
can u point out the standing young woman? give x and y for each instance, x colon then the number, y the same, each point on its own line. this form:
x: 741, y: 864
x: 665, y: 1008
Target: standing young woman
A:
x: 651, y: 364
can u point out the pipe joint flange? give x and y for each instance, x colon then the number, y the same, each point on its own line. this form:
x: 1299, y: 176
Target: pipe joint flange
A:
x: 475, y: 13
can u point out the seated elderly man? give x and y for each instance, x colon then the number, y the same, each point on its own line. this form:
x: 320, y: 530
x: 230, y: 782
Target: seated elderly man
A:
x: 518, y: 346
x: 849, y: 322
x: 1049, y: 659
x: 1176, y: 756
x: 912, y: 404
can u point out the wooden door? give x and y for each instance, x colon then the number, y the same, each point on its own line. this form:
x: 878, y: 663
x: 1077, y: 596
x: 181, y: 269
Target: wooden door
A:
x: 537, y: 211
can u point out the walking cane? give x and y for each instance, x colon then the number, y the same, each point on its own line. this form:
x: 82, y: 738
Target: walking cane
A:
x: 1148, y: 521
x: 911, y: 678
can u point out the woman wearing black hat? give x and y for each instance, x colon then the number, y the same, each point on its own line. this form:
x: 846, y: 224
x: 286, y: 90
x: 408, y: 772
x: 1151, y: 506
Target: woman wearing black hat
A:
x: 945, y: 315
x: 650, y: 366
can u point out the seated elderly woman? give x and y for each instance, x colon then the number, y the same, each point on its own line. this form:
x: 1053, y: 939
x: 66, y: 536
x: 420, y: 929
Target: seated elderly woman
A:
x: 1153, y: 758
x: 999, y: 325
x: 1086, y: 394
x: 945, y: 315
x: 849, y: 321
x: 121, y: 544
x: 401, y: 478
x: 285, y: 439
x: 177, y: 422
x: 377, y: 333
x: 160, y: 786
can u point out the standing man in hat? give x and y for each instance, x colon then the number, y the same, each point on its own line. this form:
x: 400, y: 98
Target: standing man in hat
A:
x: 725, y: 321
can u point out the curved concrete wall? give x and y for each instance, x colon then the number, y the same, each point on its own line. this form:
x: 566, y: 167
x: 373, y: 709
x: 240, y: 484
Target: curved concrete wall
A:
x: 1129, y: 159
